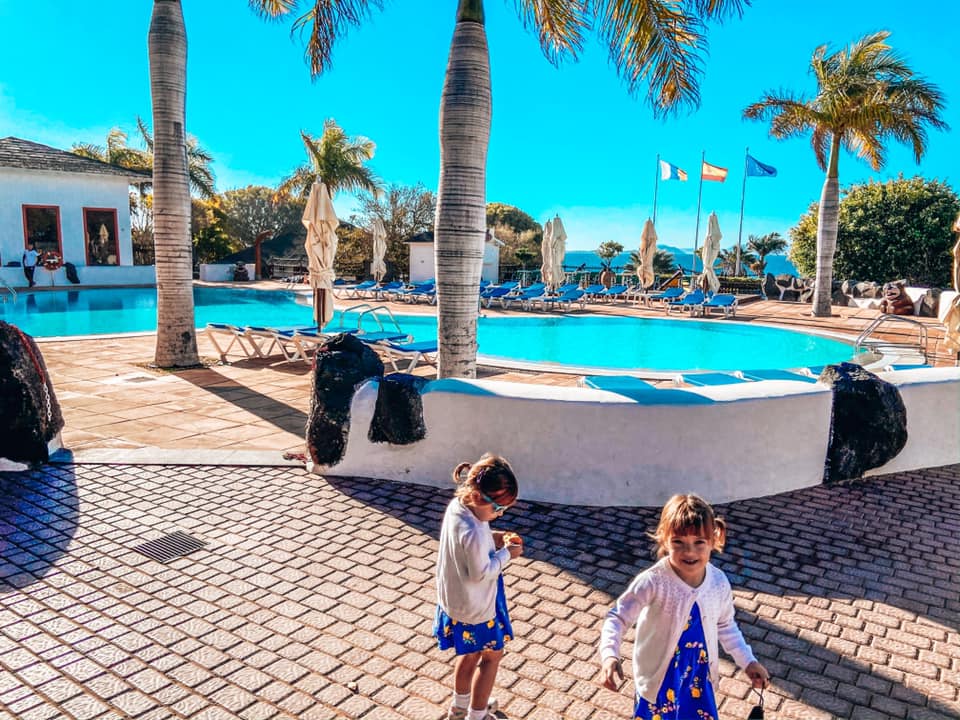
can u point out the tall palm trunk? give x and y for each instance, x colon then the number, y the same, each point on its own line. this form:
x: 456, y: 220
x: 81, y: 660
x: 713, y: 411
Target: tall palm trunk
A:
x: 827, y: 224
x: 167, y: 41
x: 460, y: 229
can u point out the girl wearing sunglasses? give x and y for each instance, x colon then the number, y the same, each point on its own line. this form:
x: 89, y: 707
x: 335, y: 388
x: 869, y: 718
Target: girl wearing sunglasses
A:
x: 472, y: 615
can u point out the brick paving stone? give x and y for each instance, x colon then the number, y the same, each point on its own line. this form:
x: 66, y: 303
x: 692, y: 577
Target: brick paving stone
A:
x: 309, y: 584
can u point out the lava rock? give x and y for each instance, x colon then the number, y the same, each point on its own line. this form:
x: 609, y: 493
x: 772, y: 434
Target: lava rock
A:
x: 29, y: 411
x: 398, y: 416
x: 868, y: 423
x: 341, y: 365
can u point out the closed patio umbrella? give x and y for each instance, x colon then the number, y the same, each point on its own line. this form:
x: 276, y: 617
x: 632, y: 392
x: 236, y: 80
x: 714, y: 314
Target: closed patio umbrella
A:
x: 379, y: 267
x: 951, y: 338
x: 559, y: 252
x: 546, y: 250
x: 648, y: 250
x: 321, y: 223
x: 709, y: 253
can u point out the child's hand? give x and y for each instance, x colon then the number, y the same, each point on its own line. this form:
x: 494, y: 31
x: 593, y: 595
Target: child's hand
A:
x: 611, y: 674
x: 498, y: 541
x: 758, y: 674
x: 514, y: 543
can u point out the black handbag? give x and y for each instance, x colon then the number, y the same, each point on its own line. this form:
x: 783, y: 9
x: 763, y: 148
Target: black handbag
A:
x: 757, y: 712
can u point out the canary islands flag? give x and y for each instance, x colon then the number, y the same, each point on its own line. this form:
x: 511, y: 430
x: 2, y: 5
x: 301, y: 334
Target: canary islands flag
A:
x: 758, y: 169
x: 712, y: 172
x: 669, y: 171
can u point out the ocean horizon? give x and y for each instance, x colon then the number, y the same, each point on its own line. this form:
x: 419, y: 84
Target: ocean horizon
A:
x: 776, y: 264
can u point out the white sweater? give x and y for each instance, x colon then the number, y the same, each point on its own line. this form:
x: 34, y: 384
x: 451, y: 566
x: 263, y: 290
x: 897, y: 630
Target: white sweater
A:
x: 468, y: 565
x: 660, y: 603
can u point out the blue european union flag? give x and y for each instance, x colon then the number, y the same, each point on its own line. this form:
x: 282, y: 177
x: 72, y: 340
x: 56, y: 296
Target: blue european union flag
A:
x: 758, y: 169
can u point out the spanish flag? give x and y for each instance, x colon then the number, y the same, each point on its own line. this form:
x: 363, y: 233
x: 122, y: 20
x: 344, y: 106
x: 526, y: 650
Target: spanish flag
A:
x: 712, y: 172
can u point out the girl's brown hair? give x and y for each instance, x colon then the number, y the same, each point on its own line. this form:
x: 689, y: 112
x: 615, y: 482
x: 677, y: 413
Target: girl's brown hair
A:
x: 490, y: 475
x: 688, y: 515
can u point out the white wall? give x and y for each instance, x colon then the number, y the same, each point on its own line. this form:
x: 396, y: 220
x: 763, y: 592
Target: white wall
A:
x: 423, y: 263
x: 70, y: 192
x: 582, y: 446
x: 88, y: 274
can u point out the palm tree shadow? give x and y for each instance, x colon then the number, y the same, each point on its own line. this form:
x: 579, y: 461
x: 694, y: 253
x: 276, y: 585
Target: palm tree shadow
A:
x: 852, y: 548
x: 38, y: 519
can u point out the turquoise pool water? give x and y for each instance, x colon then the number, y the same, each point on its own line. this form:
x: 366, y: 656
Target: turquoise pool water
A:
x: 600, y: 342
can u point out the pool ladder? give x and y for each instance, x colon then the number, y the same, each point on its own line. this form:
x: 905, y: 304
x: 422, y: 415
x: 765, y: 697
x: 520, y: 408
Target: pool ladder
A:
x: 10, y: 292
x: 363, y: 310
x: 864, y: 341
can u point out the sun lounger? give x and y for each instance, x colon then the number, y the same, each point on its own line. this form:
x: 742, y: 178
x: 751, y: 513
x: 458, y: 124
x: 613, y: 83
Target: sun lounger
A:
x: 722, y: 302
x: 495, y: 290
x: 426, y: 292
x: 224, y: 337
x: 352, y: 291
x: 293, y: 342
x: 776, y: 374
x: 611, y: 293
x: 616, y: 383
x: 412, y: 352
x: 698, y: 379
x: 692, y: 299
x: 524, y: 297
x: 563, y: 302
x: 663, y: 296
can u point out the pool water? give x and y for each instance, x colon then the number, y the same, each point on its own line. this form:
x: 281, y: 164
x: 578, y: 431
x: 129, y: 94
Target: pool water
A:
x: 597, y: 342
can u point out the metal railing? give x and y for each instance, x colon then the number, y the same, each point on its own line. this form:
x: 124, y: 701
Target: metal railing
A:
x: 10, y: 291
x: 364, y: 309
x: 864, y: 341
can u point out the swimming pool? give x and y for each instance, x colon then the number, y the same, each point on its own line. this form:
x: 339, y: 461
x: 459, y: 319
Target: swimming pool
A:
x: 584, y: 341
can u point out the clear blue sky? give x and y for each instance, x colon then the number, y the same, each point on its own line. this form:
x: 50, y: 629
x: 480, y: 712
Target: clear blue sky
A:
x: 568, y: 140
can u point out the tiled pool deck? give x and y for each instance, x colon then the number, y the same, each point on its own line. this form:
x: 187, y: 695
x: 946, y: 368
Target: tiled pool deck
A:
x: 850, y: 594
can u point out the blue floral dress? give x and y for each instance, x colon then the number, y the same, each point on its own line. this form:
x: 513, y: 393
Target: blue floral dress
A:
x: 686, y: 692
x: 465, y: 638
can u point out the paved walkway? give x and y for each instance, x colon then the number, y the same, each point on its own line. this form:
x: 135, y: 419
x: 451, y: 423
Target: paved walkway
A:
x: 306, y: 586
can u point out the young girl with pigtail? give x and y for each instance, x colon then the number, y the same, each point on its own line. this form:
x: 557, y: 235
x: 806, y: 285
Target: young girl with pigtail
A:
x: 472, y: 616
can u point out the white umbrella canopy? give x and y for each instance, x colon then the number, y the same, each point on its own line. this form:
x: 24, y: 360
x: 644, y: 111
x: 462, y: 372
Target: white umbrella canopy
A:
x: 546, y: 250
x: 559, y: 252
x: 648, y: 250
x: 321, y: 223
x: 951, y: 338
x: 379, y: 266
x: 709, y: 253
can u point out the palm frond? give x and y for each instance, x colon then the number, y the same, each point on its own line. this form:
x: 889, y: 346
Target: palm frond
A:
x: 89, y: 150
x: 560, y: 26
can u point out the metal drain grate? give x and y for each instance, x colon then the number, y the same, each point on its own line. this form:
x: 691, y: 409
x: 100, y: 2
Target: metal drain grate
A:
x: 170, y: 547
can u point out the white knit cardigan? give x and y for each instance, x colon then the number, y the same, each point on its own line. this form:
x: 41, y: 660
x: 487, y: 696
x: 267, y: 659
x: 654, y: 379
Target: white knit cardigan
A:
x: 660, y: 603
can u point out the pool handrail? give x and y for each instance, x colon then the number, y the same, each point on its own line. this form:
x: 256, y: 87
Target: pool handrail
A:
x: 10, y: 291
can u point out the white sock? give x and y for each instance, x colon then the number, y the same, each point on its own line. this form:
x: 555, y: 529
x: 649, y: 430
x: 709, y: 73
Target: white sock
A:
x: 461, y: 701
x: 477, y: 714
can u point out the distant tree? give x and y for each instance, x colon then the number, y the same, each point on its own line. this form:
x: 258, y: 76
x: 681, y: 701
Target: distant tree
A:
x: 517, y: 230
x: 210, y: 239
x: 762, y: 246
x: 866, y: 94
x: 255, y: 209
x: 664, y: 263
x: 524, y: 255
x: 727, y: 260
x: 608, y: 251
x: 117, y: 152
x: 335, y: 158
x: 405, y: 211
x: 898, y: 229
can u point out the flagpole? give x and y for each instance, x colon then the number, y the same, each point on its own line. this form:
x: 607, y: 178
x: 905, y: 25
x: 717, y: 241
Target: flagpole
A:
x: 656, y: 185
x: 696, y: 235
x: 743, y: 194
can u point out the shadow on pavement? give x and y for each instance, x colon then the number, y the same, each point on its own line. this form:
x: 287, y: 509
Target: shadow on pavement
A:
x: 38, y: 519
x: 827, y: 576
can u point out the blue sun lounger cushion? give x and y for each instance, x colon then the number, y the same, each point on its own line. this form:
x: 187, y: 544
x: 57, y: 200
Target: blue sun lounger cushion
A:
x: 708, y: 378
x: 776, y: 374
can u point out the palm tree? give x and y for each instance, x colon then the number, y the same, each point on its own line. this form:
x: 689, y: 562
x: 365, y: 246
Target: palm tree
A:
x: 657, y: 43
x: 727, y: 260
x: 167, y: 43
x: 117, y: 152
x: 866, y: 94
x: 337, y: 160
x: 763, y: 246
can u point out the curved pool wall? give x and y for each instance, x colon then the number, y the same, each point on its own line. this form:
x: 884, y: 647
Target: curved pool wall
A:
x: 580, y: 446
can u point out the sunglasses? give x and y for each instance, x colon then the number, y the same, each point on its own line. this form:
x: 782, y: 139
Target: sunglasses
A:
x: 497, y: 507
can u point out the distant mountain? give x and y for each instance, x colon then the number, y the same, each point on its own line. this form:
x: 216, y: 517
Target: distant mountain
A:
x: 776, y: 264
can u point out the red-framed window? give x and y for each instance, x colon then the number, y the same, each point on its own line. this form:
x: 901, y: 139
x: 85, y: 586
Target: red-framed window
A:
x: 100, y: 236
x: 41, y: 226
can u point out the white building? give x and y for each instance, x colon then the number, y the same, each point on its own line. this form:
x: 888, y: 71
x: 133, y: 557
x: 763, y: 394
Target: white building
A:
x: 75, y: 207
x: 423, y: 264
